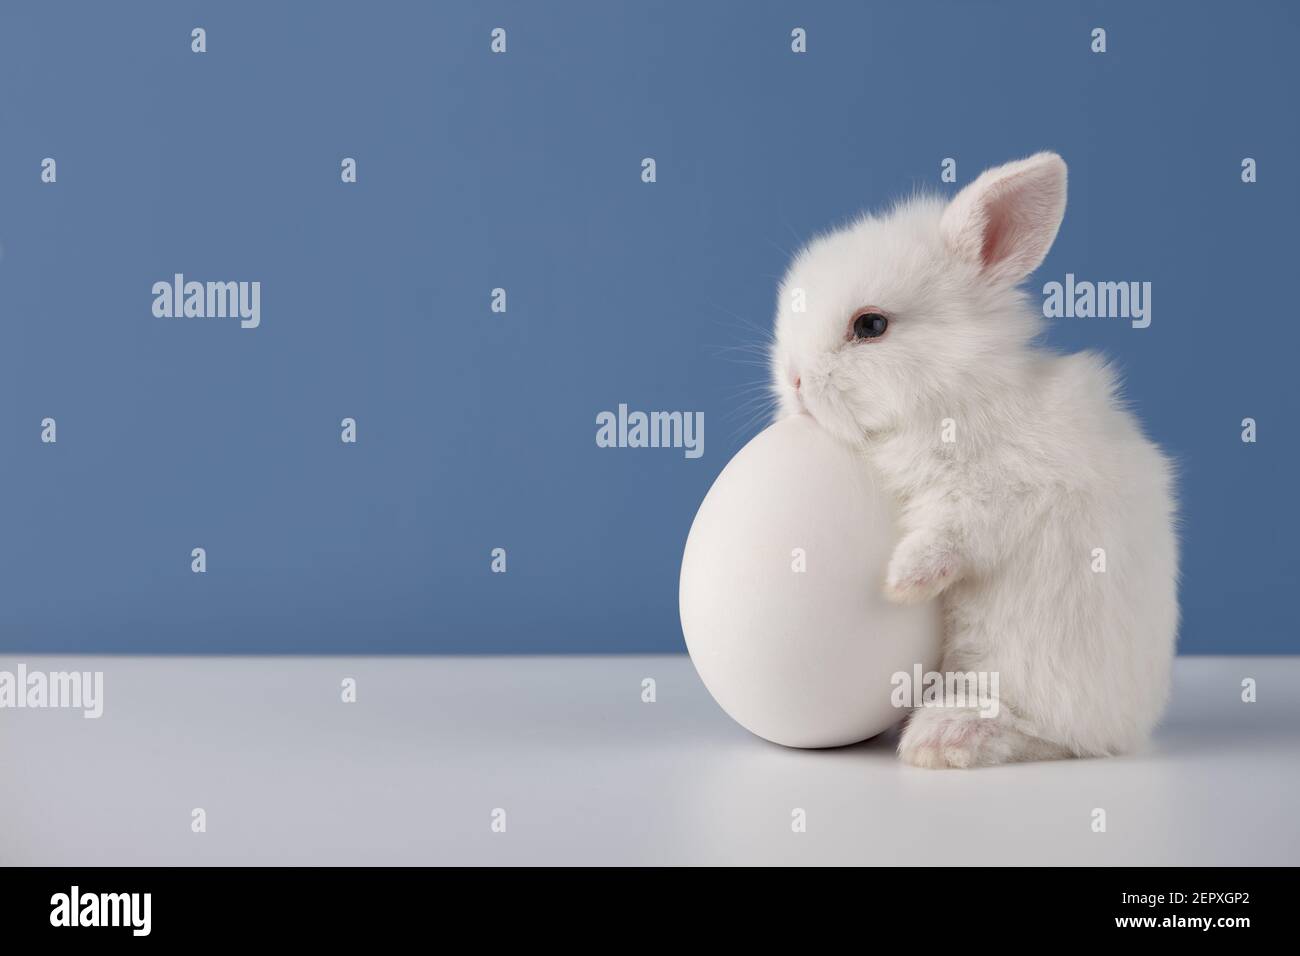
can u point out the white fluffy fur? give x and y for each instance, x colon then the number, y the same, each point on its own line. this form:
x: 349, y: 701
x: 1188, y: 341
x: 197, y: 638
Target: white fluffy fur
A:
x: 1047, y: 465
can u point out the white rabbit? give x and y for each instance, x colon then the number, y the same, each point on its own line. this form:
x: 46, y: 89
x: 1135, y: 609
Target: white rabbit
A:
x: 906, y: 335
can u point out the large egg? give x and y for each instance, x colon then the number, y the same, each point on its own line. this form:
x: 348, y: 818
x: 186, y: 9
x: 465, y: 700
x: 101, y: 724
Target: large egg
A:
x: 781, y: 593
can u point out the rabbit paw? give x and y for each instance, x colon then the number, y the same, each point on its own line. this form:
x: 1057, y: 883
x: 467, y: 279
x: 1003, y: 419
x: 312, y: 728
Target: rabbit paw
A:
x: 940, y: 738
x: 922, y: 566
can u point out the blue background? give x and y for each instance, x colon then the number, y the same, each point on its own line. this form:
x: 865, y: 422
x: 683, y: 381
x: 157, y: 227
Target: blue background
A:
x: 476, y: 430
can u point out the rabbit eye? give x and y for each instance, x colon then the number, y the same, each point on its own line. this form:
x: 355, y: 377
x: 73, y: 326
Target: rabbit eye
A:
x: 869, y: 325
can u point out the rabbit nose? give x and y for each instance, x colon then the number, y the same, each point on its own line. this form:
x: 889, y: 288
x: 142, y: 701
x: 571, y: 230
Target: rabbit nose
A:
x: 797, y: 382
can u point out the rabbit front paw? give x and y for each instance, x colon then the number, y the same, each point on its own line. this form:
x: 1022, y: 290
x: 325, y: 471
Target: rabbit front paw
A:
x: 922, y: 566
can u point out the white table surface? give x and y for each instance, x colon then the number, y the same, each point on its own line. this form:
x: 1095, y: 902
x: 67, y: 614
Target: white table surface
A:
x: 589, y: 774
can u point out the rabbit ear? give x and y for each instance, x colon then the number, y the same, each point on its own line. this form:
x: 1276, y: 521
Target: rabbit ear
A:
x: 1006, y: 219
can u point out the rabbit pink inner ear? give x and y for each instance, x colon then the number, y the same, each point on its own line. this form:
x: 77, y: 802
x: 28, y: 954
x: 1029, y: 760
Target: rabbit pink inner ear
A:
x: 1006, y: 220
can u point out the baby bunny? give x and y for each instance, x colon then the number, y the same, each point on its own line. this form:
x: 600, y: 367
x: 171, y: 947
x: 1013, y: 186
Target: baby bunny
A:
x: 1032, y: 504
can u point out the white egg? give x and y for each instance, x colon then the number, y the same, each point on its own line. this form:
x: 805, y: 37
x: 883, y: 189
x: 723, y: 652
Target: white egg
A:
x: 781, y: 593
